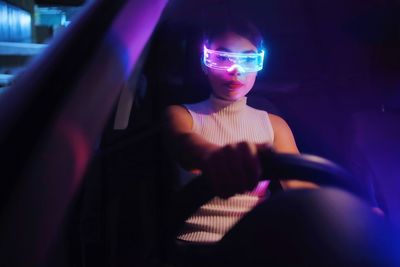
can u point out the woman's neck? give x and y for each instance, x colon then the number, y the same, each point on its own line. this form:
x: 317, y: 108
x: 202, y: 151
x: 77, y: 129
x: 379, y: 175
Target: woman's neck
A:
x: 220, y: 103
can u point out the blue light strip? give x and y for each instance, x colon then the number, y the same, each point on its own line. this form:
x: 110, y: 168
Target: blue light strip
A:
x: 15, y: 24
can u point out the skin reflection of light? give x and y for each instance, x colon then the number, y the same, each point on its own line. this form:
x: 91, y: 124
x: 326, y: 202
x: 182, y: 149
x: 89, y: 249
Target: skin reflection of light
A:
x: 236, y: 66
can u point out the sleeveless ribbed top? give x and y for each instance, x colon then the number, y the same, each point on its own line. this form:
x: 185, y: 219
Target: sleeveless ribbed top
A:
x: 224, y: 122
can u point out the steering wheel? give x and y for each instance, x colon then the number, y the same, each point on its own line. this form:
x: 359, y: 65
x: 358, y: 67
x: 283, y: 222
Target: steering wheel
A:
x: 321, y: 171
x: 343, y: 197
x: 276, y: 166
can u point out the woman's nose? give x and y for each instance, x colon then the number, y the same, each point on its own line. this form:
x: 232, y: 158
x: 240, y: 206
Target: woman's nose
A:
x: 235, y: 69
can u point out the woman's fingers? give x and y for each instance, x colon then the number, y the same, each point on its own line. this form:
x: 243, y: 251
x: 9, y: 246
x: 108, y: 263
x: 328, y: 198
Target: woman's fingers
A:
x: 237, y: 175
x: 233, y: 169
x: 216, y: 170
x: 225, y: 187
x: 250, y: 163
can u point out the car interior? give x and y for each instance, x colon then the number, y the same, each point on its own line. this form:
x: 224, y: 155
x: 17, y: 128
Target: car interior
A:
x: 87, y: 179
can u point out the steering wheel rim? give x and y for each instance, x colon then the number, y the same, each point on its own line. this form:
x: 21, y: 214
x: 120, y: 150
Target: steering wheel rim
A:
x: 276, y: 166
x: 311, y: 168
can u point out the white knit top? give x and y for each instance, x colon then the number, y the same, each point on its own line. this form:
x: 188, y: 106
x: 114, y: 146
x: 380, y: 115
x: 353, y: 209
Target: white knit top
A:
x: 223, y: 122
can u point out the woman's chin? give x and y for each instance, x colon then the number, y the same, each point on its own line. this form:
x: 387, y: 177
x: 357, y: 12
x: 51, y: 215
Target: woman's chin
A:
x: 229, y: 97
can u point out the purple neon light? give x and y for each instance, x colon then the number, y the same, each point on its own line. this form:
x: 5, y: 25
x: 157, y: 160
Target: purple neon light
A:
x: 222, y: 60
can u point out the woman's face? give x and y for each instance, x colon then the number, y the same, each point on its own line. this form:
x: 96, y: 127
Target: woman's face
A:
x: 235, y: 84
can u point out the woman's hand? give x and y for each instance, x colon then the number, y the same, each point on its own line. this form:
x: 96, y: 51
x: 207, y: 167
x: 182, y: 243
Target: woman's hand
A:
x: 234, y: 168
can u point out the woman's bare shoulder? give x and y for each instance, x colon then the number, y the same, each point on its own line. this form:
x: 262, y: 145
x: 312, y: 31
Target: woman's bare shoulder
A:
x: 178, y: 118
x: 278, y: 122
x: 283, y: 136
x: 176, y: 109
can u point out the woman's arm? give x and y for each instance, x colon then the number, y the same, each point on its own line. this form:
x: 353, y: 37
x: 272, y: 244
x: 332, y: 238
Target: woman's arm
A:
x: 284, y: 142
x: 231, y: 169
x: 189, y: 148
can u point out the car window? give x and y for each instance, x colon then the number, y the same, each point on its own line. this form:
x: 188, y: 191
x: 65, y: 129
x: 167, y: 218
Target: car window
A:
x: 26, y: 28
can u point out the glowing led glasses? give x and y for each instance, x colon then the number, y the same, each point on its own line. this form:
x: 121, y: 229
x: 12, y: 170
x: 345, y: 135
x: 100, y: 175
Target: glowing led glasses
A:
x: 222, y: 60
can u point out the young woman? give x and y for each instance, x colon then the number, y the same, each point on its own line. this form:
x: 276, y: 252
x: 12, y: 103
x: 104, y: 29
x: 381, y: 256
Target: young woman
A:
x: 222, y: 136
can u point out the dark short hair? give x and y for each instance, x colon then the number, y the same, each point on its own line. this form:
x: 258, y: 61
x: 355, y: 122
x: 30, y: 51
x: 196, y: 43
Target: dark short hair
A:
x: 218, y: 26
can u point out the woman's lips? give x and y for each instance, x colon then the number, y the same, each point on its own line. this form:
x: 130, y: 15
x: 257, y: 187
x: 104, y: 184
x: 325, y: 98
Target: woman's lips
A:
x: 234, y: 85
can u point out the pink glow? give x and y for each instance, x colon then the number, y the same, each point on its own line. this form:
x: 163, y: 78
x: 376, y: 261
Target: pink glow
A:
x: 78, y: 144
x: 143, y: 16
